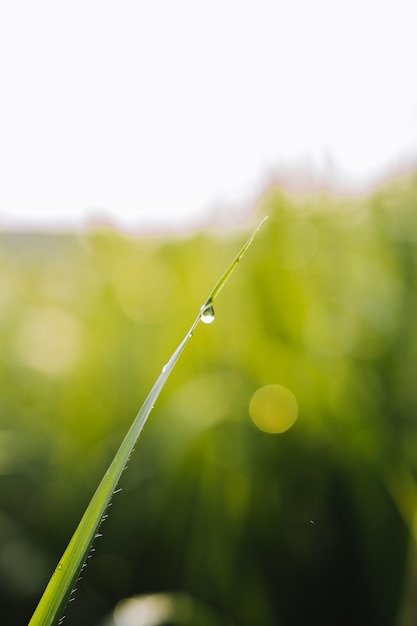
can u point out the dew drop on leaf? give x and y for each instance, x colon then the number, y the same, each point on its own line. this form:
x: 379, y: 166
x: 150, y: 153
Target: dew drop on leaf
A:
x: 207, y: 314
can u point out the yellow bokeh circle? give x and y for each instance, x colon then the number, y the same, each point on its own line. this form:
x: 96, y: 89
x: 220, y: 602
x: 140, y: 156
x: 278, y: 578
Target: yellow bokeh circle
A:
x: 273, y: 408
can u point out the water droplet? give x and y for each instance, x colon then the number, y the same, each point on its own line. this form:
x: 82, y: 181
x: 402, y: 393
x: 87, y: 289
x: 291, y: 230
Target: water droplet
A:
x: 164, y: 369
x: 207, y: 314
x: 59, y: 566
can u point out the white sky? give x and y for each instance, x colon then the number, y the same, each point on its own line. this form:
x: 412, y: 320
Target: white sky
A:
x: 164, y: 111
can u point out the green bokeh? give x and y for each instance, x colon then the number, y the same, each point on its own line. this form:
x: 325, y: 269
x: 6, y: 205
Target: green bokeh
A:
x: 315, y: 525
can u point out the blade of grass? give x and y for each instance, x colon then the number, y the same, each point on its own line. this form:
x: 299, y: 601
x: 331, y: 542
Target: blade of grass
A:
x: 225, y: 277
x: 67, y: 573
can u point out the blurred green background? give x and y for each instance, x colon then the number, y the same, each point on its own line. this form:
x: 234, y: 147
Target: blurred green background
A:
x: 218, y: 522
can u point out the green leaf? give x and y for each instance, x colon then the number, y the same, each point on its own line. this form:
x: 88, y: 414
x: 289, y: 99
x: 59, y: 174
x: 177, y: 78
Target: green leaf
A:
x: 64, y: 579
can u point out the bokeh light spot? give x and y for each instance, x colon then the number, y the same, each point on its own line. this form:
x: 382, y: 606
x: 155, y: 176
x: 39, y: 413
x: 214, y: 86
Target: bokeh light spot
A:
x: 49, y: 340
x: 273, y: 408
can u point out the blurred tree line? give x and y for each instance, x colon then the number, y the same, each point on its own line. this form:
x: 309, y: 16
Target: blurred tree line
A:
x: 315, y: 525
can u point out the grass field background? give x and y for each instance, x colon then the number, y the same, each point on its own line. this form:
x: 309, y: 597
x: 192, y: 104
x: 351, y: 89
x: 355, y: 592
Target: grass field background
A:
x: 240, y: 526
